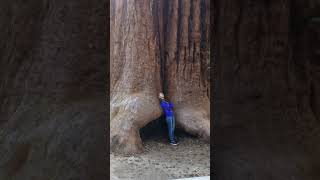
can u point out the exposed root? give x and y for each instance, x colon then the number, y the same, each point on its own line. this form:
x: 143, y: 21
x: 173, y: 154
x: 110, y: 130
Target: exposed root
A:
x: 194, y: 120
x: 128, y: 115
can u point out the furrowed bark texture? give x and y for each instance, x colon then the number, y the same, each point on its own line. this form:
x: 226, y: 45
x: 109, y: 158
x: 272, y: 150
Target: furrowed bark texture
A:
x: 135, y: 73
x: 266, y: 88
x: 158, y: 46
x: 52, y: 78
x: 186, y: 65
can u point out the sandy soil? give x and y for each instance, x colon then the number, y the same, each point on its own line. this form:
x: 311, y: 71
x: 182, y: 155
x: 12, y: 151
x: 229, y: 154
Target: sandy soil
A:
x: 191, y: 158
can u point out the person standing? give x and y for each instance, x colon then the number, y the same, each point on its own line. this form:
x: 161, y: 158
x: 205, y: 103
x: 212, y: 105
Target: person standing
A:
x: 168, y: 111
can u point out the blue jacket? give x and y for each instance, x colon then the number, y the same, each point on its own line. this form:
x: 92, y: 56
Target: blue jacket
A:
x: 167, y: 108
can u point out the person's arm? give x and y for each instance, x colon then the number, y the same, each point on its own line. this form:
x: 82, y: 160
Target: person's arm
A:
x: 171, y: 105
x: 162, y: 105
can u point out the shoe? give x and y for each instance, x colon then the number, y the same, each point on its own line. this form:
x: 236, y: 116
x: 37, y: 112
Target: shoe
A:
x: 173, y: 143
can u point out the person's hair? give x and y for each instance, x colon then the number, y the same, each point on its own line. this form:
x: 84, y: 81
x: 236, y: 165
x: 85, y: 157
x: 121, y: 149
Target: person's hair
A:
x: 161, y: 95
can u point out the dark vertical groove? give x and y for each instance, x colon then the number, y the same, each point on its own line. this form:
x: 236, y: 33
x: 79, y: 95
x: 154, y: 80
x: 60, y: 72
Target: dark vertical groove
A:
x: 203, y: 15
x: 190, y: 28
x: 179, y: 31
x: 203, y: 40
x: 159, y: 34
x: 215, y: 53
x: 156, y: 25
x: 166, y: 13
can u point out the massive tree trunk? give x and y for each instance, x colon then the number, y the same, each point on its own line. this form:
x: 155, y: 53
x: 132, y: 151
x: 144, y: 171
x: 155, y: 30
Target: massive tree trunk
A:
x: 52, y: 78
x: 135, y: 73
x: 266, y: 96
x: 186, y: 64
x: 157, y: 46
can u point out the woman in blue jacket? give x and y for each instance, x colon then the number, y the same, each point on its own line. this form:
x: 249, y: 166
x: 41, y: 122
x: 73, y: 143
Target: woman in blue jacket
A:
x: 168, y: 111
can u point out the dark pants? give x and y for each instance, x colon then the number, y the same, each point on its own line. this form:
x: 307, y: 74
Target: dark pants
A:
x: 171, y: 125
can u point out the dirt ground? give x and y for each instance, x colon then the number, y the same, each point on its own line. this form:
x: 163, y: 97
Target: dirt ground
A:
x: 191, y: 158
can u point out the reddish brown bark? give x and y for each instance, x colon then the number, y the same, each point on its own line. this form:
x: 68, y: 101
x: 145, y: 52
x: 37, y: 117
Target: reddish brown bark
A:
x: 186, y: 84
x: 266, y: 89
x: 52, y: 90
x: 156, y: 47
x: 135, y: 73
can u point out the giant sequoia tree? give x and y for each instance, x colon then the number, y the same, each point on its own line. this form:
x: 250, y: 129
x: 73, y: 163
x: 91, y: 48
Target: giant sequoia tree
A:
x: 52, y: 80
x: 266, y: 100
x: 158, y: 46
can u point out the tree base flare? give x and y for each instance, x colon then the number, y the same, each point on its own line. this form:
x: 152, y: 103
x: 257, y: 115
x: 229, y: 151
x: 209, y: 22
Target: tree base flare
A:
x: 194, y: 120
x: 128, y: 115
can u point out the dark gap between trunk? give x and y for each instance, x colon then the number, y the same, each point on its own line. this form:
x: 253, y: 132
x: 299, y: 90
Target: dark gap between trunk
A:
x: 157, y: 130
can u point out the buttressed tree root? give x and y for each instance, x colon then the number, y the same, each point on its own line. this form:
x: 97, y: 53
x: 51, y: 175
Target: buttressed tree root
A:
x: 155, y: 49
